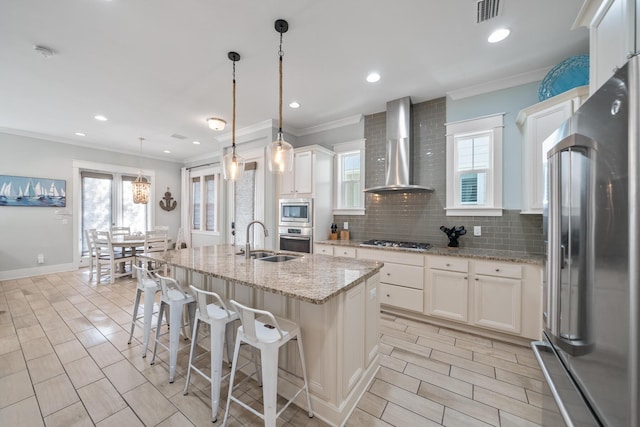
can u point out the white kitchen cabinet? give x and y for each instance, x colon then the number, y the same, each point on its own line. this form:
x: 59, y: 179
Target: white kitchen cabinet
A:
x: 401, y: 278
x: 298, y: 182
x: 323, y: 249
x: 448, y: 288
x: 612, y: 38
x: 536, y: 124
x: 497, y: 296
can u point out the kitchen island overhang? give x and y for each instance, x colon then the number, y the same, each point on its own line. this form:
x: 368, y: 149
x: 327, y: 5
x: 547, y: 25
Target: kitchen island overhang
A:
x: 334, y: 300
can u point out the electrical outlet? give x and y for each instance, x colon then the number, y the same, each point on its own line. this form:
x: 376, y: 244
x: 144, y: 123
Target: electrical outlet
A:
x: 40, y: 258
x: 346, y: 225
x: 477, y: 230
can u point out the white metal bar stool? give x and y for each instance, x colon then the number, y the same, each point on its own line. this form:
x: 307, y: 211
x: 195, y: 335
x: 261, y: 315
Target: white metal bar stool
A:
x: 266, y: 333
x: 173, y: 298
x: 220, y: 319
x: 148, y: 286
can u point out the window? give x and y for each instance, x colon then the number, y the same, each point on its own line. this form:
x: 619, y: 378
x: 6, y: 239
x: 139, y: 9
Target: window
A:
x: 204, y: 200
x: 474, y: 167
x: 349, y: 197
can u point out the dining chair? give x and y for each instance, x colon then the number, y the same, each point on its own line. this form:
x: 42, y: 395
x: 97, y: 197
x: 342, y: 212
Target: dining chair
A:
x: 161, y: 228
x: 120, y: 231
x: 155, y: 241
x: 91, y: 247
x: 107, y: 260
x: 180, y: 241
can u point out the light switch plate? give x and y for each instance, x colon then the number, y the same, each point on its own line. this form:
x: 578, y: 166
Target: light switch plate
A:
x: 346, y: 225
x: 477, y: 230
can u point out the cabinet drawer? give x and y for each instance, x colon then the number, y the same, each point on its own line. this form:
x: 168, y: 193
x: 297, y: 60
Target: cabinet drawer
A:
x: 385, y: 256
x: 401, y: 297
x: 323, y: 249
x: 403, y: 275
x: 448, y: 263
x: 499, y: 269
x: 344, y: 251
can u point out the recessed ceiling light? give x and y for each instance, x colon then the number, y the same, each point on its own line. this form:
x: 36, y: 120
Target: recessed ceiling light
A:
x: 81, y: 134
x: 196, y: 142
x: 373, y: 77
x: 167, y: 151
x: 100, y: 117
x: 499, y: 35
x: 294, y: 104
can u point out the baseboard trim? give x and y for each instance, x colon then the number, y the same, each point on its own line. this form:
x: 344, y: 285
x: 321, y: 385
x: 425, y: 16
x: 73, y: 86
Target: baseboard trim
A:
x: 36, y: 271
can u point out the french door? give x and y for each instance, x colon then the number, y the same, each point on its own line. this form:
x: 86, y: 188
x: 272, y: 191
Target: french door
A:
x: 107, y: 201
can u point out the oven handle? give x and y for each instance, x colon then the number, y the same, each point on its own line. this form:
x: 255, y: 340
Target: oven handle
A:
x: 294, y: 237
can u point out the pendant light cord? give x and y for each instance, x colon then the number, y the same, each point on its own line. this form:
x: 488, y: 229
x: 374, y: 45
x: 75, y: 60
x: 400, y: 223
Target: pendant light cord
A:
x: 281, y: 54
x: 140, y: 157
x: 233, y: 125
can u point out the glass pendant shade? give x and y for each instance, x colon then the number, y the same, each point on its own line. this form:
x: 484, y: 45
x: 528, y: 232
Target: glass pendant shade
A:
x: 141, y: 189
x: 232, y: 166
x: 280, y: 155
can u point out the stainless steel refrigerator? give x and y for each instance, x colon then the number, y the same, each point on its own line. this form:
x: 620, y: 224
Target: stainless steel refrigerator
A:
x: 590, y: 354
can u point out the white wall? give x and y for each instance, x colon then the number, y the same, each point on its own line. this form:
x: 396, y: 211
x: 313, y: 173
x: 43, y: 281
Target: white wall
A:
x: 28, y: 231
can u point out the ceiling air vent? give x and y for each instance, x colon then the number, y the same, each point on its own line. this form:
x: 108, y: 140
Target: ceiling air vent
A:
x: 487, y: 9
x: 178, y: 136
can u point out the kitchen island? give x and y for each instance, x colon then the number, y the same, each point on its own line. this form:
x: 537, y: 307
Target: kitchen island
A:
x: 334, y: 300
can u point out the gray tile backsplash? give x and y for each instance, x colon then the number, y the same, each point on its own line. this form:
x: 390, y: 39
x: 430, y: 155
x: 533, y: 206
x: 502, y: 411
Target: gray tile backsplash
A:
x: 417, y: 217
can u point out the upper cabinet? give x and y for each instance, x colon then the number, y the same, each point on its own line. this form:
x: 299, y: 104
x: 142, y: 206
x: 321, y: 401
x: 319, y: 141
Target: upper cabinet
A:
x: 311, y: 172
x: 536, y: 124
x: 612, y: 39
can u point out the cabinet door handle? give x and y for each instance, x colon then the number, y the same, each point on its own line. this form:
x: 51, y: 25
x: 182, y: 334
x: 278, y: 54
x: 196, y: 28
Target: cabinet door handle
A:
x: 388, y: 295
x: 388, y: 274
x: 477, y: 279
x: 497, y: 269
x: 448, y: 265
x: 466, y: 278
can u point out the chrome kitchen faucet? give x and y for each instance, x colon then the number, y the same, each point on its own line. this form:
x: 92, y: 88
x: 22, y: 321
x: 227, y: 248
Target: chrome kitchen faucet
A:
x: 247, y: 245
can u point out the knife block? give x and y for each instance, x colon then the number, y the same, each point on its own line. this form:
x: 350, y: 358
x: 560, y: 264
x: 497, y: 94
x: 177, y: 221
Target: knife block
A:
x: 333, y: 236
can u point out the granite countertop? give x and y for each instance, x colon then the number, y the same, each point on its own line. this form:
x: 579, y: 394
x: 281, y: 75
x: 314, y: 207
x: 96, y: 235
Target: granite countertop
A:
x: 476, y: 253
x: 311, y: 278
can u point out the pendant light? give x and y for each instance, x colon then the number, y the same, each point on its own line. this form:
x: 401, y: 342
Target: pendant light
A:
x: 233, y: 165
x: 280, y: 152
x: 141, y: 187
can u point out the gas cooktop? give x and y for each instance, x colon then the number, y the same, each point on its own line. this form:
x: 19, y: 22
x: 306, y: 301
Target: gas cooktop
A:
x: 412, y: 246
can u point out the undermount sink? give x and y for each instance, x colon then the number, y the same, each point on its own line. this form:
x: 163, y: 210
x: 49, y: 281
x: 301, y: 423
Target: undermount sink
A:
x: 260, y: 254
x: 279, y: 258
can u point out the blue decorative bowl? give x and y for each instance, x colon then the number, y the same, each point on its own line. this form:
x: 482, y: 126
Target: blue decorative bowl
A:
x: 570, y: 73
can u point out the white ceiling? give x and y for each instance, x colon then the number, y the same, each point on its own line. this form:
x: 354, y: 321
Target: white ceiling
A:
x: 157, y: 68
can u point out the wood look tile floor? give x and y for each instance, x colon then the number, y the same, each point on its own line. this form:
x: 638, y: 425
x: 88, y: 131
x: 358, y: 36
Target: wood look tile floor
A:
x: 65, y: 361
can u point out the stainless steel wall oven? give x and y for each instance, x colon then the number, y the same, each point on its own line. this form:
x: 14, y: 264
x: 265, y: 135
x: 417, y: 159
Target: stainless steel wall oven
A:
x: 296, y: 239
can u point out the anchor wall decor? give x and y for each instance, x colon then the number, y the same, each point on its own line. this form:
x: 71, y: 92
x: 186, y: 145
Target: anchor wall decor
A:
x: 166, y: 202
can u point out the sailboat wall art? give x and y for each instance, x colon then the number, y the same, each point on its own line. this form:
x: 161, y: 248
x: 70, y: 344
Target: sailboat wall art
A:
x: 27, y: 191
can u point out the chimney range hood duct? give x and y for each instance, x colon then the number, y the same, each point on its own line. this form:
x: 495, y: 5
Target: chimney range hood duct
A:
x: 397, y: 166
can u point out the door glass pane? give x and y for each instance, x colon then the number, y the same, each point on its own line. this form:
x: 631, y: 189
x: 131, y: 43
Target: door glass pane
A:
x: 195, y: 193
x: 134, y: 215
x: 96, y: 205
x: 212, y: 195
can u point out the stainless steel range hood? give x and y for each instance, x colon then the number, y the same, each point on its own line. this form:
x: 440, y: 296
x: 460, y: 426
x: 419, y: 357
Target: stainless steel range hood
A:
x: 397, y: 165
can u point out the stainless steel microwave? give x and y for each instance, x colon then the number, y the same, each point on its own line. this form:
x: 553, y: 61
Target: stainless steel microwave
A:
x: 296, y: 212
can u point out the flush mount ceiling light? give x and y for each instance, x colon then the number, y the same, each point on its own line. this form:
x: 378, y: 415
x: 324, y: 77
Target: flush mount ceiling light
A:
x: 373, y: 77
x: 216, y: 123
x: 232, y: 164
x: 280, y: 152
x: 294, y: 104
x: 100, y: 118
x: 499, y: 35
x: 141, y: 187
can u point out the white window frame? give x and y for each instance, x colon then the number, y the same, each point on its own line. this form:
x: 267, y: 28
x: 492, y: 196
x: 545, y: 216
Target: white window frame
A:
x: 341, y: 150
x: 201, y: 173
x: 492, y: 125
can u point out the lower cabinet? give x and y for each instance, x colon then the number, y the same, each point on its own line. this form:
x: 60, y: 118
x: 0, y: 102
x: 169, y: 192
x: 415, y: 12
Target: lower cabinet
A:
x: 498, y: 296
x: 448, y: 295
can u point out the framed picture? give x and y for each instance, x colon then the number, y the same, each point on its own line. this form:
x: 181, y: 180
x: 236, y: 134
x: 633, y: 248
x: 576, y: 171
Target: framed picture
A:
x: 28, y: 191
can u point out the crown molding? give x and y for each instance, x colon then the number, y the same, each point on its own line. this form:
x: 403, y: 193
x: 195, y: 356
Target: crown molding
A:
x: 494, y: 85
x: 352, y: 120
x: 266, y: 124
